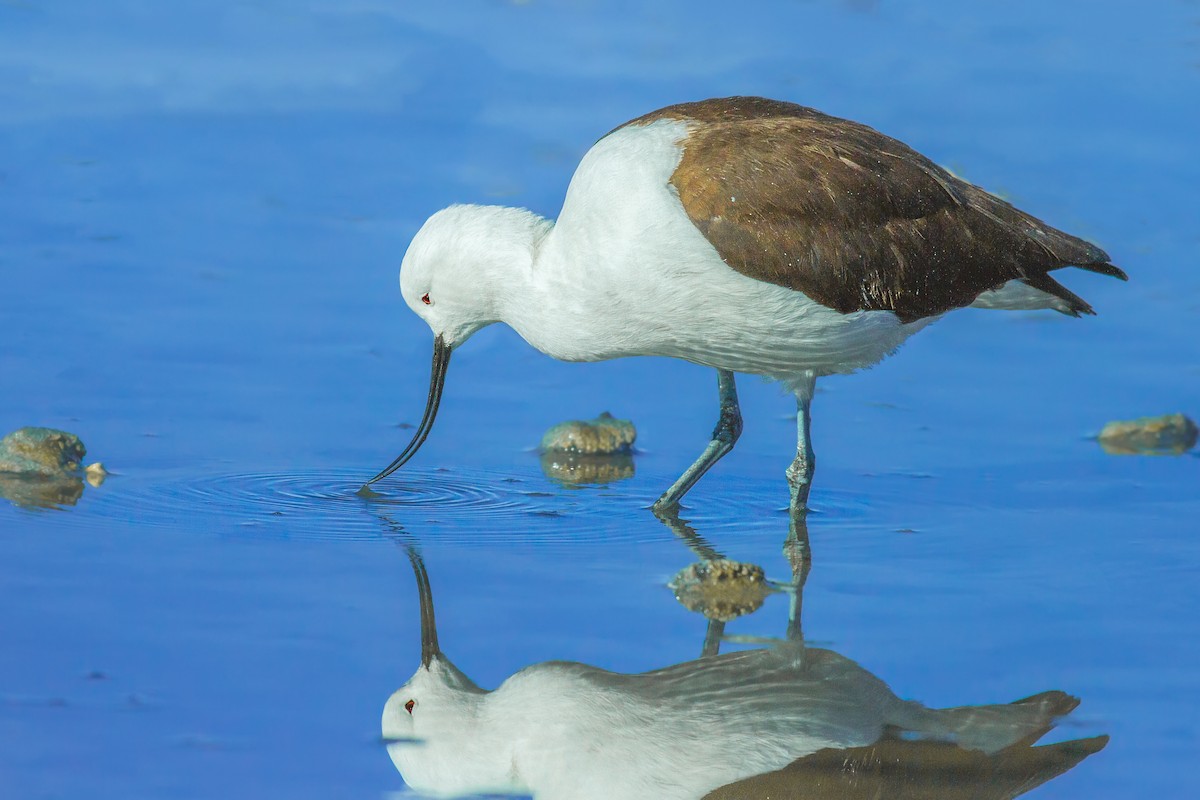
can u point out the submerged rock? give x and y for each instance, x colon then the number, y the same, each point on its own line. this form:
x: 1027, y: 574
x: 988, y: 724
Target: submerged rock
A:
x: 40, y: 468
x: 41, y: 451
x: 722, y: 589
x: 1170, y: 434
x: 604, y: 435
x: 589, y: 451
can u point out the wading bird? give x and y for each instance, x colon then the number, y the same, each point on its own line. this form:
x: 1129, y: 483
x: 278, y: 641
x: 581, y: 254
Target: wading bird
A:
x: 743, y: 234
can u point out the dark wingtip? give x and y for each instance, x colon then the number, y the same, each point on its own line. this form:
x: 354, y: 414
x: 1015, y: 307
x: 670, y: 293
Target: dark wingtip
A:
x: 1089, y: 746
x: 1105, y: 268
x: 1075, y: 305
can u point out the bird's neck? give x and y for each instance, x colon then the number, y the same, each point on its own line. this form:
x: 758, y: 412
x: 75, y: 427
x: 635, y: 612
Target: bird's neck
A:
x: 483, y: 756
x: 553, y: 286
x: 553, y: 299
x: 503, y: 258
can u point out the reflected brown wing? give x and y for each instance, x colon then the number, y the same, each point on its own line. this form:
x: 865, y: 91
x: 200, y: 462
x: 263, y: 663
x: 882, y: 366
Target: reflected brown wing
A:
x: 899, y: 769
x: 852, y: 218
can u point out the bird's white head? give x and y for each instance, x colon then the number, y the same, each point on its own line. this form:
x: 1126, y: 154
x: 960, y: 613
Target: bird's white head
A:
x: 461, y: 270
x: 463, y: 263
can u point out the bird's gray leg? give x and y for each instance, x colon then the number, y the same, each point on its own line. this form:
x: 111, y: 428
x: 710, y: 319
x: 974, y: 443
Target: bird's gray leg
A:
x: 800, y: 473
x: 712, y: 638
x: 796, y: 550
x: 729, y: 428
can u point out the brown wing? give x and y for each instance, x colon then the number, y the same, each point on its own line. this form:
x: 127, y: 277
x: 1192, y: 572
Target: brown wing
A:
x: 854, y: 219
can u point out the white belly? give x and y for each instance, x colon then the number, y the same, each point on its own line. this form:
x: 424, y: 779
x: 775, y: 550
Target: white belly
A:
x: 625, y: 272
x: 737, y: 323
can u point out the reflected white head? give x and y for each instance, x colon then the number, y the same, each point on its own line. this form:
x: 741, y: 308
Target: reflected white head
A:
x: 434, y: 738
x: 432, y: 724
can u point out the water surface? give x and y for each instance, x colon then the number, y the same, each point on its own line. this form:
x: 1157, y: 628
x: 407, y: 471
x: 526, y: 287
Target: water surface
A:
x: 202, y: 210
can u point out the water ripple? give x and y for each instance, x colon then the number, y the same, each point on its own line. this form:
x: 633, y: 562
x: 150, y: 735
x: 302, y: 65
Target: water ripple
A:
x: 326, y: 505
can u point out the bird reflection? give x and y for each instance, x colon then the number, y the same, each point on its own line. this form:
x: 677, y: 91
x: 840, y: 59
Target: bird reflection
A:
x: 782, y: 721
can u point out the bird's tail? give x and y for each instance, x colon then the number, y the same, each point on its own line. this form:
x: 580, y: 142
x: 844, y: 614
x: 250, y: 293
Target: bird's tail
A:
x: 1038, y: 290
x: 1070, y: 251
x: 995, y: 727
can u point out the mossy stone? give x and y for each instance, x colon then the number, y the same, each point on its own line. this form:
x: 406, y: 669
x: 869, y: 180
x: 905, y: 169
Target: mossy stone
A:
x: 41, y: 451
x: 1170, y: 434
x: 604, y: 435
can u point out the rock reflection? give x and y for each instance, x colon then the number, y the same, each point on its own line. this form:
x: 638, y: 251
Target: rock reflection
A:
x: 35, y: 491
x: 777, y: 722
x: 721, y: 589
x: 578, y: 469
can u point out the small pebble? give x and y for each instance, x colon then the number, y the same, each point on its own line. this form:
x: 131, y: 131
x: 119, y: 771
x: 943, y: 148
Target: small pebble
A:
x: 1170, y: 434
x: 721, y: 590
x: 96, y: 473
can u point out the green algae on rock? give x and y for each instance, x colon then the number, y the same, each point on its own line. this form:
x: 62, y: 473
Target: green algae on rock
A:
x: 41, y: 451
x: 721, y: 589
x: 604, y: 435
x: 1169, y: 434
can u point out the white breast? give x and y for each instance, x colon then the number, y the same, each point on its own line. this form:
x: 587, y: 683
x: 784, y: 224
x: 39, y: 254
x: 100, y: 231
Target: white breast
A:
x: 625, y: 272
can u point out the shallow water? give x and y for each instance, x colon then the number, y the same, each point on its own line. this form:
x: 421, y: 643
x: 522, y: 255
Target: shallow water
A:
x: 202, y: 211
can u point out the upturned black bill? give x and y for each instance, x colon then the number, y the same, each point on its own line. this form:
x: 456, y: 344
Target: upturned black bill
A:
x: 437, y: 379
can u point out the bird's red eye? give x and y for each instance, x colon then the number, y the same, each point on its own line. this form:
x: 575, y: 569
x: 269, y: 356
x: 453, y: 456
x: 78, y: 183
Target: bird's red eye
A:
x: 425, y: 299
x: 409, y: 705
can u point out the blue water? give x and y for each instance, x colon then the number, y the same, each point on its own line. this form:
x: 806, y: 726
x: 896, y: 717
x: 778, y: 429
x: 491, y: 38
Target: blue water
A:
x: 203, y: 207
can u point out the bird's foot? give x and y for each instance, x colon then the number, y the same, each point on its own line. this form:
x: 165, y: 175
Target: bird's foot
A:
x: 666, y: 508
x: 798, y: 506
